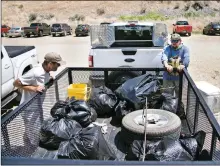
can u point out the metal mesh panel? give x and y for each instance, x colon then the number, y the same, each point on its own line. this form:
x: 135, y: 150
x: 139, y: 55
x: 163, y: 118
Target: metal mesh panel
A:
x: 216, y: 154
x: 20, y: 134
x: 102, y: 35
x: 197, y: 119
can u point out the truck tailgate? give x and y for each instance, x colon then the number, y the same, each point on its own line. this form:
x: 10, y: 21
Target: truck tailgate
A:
x: 181, y: 28
x: 132, y: 57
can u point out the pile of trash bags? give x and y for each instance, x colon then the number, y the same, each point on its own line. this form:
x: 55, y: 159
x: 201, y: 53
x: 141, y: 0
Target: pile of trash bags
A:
x: 187, y: 148
x: 70, y: 131
x: 130, y: 96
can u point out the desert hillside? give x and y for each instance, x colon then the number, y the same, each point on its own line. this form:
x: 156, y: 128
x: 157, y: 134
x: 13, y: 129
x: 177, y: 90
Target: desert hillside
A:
x: 21, y: 13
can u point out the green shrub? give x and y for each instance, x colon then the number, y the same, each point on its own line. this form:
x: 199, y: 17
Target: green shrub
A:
x: 32, y: 17
x: 100, y: 12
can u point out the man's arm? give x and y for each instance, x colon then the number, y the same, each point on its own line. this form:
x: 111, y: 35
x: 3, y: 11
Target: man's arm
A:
x: 17, y: 83
x: 164, y: 58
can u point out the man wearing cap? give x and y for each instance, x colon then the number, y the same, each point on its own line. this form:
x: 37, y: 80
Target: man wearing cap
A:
x: 175, y: 50
x: 38, y: 76
x: 31, y: 83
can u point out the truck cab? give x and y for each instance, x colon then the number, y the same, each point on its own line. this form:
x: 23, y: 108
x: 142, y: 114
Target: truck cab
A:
x: 16, y: 61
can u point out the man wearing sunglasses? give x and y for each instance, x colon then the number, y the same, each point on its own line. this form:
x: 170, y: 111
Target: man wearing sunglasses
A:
x: 38, y: 76
x: 179, y: 51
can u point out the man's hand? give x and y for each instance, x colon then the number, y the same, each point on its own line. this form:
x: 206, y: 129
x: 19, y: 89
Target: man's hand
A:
x: 180, y: 68
x: 39, y: 89
x: 169, y: 68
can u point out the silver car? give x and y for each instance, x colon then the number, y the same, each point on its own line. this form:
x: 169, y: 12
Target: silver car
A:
x: 15, y: 32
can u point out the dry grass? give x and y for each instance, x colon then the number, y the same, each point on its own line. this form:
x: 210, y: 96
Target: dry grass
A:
x: 63, y: 10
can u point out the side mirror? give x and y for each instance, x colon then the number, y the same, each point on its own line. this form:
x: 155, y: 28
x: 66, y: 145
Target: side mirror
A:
x: 174, y: 24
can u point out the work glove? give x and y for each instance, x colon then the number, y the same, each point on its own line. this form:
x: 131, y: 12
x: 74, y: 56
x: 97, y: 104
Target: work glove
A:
x: 180, y: 68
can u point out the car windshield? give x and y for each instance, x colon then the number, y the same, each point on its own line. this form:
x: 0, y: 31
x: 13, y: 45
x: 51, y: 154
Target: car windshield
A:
x: 56, y: 25
x: 35, y: 24
x: 15, y: 28
x: 216, y: 25
x: 133, y: 32
x: 182, y: 23
x: 80, y: 26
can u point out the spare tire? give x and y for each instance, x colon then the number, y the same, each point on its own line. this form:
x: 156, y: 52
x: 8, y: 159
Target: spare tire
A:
x: 161, y: 124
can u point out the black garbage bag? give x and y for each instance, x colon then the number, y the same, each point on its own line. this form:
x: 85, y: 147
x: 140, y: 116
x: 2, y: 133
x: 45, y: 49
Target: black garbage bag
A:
x: 103, y: 100
x: 53, y: 131
x: 59, y: 110
x: 122, y: 109
x: 74, y: 109
x: 163, y: 150
x: 136, y: 90
x: 193, y: 144
x: 170, y: 103
x: 88, y: 144
x: 80, y: 111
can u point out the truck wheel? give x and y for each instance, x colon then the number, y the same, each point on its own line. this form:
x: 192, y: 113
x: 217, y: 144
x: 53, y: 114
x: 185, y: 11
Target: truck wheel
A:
x: 160, y: 124
x: 189, y: 34
x: 53, y: 35
x: 28, y: 36
x: 64, y: 34
x: 119, y: 77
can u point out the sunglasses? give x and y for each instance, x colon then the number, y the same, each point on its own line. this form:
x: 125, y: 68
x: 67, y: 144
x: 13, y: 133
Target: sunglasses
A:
x: 175, y: 41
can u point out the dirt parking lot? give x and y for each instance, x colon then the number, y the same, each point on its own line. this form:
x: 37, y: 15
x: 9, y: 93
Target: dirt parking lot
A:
x: 204, y: 53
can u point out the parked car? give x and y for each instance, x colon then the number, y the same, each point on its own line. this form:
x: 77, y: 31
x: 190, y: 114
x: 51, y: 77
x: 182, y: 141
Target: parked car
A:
x: 4, y: 30
x: 82, y: 29
x: 16, y: 32
x: 61, y: 29
x: 212, y: 28
x: 182, y: 28
x: 105, y: 23
x: 37, y: 29
x: 16, y: 61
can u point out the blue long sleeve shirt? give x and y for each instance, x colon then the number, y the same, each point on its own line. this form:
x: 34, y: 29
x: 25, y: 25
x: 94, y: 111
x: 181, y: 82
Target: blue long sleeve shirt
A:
x: 168, y: 52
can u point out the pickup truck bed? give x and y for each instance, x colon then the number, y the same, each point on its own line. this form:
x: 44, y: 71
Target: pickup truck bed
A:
x: 198, y: 117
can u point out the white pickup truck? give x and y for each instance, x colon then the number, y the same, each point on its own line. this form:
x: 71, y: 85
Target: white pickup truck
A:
x: 127, y: 44
x: 16, y: 61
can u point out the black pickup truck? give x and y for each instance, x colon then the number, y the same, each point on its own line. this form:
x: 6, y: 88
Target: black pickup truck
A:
x: 37, y: 29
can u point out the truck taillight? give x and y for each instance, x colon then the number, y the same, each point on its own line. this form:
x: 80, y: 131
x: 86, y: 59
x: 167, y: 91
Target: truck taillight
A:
x: 90, y: 61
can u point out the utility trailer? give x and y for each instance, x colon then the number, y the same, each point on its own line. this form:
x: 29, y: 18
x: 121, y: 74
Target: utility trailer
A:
x: 15, y: 151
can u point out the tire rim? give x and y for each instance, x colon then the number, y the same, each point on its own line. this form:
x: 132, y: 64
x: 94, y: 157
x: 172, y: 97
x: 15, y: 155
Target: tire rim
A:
x: 153, y: 120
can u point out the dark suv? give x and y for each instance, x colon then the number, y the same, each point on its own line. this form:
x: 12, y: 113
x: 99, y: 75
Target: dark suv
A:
x: 212, y: 28
x: 60, y: 29
x: 82, y: 29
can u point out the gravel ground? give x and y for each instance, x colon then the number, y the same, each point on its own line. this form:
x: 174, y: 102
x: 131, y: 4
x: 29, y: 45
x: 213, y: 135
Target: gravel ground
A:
x: 204, y: 53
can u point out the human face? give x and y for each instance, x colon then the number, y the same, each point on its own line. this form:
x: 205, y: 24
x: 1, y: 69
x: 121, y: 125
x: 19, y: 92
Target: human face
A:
x: 175, y: 43
x: 54, y: 66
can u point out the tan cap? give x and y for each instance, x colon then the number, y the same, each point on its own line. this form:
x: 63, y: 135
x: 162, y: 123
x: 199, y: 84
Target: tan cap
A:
x: 175, y: 37
x: 54, y: 57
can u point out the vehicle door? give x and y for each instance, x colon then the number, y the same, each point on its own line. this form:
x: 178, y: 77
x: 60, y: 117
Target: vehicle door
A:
x: 7, y: 74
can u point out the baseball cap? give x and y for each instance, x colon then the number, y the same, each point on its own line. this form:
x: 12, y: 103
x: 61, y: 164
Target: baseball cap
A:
x: 175, y: 37
x: 54, y: 57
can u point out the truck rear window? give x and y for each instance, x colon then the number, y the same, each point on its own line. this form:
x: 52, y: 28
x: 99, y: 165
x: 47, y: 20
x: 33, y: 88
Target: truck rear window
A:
x: 56, y: 25
x: 35, y: 24
x: 182, y: 23
x: 133, y: 36
x: 136, y: 32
